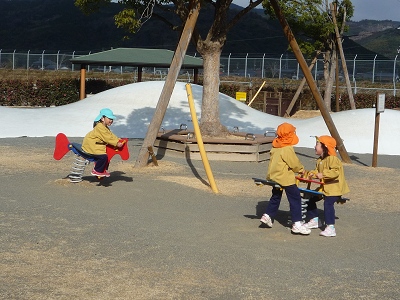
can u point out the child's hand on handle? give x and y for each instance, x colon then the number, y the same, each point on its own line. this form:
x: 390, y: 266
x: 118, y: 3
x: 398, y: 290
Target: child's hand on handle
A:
x: 303, y: 173
x: 319, y: 175
x: 311, y: 175
x: 120, y: 143
x: 315, y: 176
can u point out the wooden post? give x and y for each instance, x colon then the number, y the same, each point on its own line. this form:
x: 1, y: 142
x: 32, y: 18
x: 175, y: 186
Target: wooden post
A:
x: 376, y: 138
x: 139, y: 74
x: 82, y: 91
x: 380, y: 108
x: 280, y: 104
x: 265, y: 102
x: 170, y: 81
x: 196, y: 76
x: 344, y: 66
x: 311, y: 83
x: 249, y: 94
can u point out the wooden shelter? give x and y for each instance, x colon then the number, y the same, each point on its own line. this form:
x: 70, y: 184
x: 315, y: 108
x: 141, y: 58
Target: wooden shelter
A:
x: 134, y: 57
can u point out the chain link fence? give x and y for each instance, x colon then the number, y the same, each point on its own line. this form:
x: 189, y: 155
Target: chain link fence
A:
x: 361, y: 71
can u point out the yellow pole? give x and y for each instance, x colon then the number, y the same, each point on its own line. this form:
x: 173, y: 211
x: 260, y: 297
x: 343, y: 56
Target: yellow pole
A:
x: 199, y: 139
x: 256, y: 94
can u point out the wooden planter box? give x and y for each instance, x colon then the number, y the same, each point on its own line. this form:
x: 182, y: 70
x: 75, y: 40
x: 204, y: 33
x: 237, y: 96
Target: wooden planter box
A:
x: 182, y: 143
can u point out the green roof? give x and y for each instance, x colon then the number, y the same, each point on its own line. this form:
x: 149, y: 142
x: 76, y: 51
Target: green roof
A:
x: 138, y: 57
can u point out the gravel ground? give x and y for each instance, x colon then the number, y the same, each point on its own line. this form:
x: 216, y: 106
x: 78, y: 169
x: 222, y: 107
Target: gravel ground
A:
x: 160, y: 233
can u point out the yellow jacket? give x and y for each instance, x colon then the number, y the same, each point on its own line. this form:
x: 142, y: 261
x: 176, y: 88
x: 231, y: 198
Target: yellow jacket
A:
x: 96, y: 140
x: 282, y: 166
x: 333, y: 175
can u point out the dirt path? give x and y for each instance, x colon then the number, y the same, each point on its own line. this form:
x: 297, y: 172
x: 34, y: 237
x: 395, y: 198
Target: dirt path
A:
x: 365, y: 182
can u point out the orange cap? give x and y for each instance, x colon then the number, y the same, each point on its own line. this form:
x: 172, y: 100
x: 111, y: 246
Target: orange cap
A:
x: 286, y: 136
x: 329, y: 142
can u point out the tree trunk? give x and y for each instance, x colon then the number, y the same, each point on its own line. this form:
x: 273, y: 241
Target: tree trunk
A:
x: 210, y: 123
x: 330, y: 79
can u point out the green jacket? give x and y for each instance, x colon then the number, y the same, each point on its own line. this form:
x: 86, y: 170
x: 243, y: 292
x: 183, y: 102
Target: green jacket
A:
x: 333, y: 176
x: 96, y: 140
x: 283, y: 165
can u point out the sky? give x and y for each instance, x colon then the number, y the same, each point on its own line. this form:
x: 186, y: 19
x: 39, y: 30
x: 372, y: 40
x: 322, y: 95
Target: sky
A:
x: 366, y: 9
x: 134, y: 104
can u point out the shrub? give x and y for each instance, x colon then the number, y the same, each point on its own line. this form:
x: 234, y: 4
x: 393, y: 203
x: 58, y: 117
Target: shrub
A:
x: 49, y: 92
x: 230, y: 89
x: 367, y: 101
x: 61, y: 91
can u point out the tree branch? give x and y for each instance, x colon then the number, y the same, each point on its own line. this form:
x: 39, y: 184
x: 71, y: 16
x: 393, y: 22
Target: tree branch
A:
x: 168, y: 23
x: 241, y: 13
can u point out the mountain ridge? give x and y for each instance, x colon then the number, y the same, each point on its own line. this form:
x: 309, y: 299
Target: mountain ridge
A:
x: 59, y: 25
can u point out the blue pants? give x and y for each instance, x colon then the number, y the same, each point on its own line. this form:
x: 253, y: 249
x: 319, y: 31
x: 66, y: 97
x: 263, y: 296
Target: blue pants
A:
x: 329, y: 208
x: 101, y: 163
x: 294, y: 198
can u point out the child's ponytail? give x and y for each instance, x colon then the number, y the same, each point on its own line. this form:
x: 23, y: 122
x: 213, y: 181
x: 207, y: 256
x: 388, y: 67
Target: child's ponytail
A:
x: 325, y: 151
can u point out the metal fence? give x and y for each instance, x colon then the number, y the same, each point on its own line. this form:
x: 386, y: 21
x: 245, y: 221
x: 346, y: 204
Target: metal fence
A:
x: 247, y: 66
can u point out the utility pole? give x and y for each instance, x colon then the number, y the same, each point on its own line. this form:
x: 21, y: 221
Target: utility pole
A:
x: 310, y: 80
x: 168, y: 88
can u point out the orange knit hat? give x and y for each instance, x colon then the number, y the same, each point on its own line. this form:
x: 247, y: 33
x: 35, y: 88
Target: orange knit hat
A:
x: 286, y: 136
x: 329, y: 142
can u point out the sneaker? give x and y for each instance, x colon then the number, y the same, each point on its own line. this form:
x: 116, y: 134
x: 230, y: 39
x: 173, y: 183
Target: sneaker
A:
x: 329, y: 231
x: 301, y: 229
x: 98, y: 174
x: 266, y: 220
x: 311, y: 224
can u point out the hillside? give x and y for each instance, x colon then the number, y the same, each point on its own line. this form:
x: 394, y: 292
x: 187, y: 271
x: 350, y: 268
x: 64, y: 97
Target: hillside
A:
x: 59, y: 25
x: 378, y: 36
x: 50, y: 25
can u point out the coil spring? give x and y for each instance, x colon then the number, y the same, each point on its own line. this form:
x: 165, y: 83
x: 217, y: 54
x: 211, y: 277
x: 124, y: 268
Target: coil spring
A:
x: 304, y: 204
x: 77, y: 169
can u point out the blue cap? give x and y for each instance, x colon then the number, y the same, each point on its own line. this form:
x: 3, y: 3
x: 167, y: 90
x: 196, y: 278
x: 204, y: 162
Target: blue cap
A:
x: 105, y: 112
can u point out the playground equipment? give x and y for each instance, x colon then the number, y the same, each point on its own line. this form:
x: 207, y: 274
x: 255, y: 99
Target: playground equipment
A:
x: 82, y: 159
x: 306, y: 193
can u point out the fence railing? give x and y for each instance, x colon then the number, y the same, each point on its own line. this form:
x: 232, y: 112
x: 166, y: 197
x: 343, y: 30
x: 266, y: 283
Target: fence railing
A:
x: 248, y: 66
